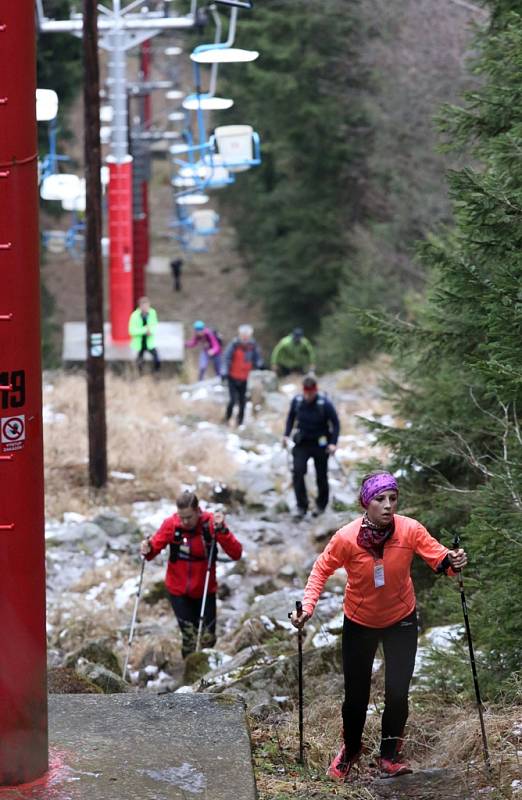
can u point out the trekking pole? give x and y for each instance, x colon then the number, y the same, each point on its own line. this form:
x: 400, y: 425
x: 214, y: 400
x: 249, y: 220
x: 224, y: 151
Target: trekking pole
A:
x: 456, y: 544
x: 133, y: 622
x: 299, y: 608
x: 205, y: 590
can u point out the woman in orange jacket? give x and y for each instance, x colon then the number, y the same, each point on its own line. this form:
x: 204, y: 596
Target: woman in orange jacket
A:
x: 376, y: 550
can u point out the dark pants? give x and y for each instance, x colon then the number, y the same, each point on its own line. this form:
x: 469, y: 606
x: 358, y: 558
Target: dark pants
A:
x: 301, y: 453
x: 155, y: 358
x: 187, y: 611
x: 282, y: 372
x: 237, y: 393
x: 359, y: 646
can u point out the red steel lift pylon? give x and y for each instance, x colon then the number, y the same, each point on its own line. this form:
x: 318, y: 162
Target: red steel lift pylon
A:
x: 23, y: 689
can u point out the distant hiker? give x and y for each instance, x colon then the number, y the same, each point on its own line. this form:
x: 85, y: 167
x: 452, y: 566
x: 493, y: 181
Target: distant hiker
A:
x: 189, y: 534
x: 317, y: 431
x: 241, y: 356
x: 176, y: 266
x: 143, y: 323
x: 376, y: 550
x: 293, y: 353
x: 210, y: 348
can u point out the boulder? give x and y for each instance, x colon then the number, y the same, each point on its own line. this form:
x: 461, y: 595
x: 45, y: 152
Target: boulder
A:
x: 263, y: 710
x: 96, y: 652
x: 109, y: 682
x: 251, y: 633
x: 266, y: 586
x: 196, y: 665
x: 276, y: 605
x: 64, y: 680
x: 114, y: 525
x: 86, y: 536
x: 326, y: 525
x: 155, y: 592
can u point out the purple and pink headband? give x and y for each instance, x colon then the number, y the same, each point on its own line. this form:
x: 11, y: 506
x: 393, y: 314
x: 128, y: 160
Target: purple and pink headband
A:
x: 374, y: 485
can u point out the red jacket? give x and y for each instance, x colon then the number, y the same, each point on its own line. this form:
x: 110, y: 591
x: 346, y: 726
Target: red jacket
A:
x: 363, y: 601
x: 186, y: 575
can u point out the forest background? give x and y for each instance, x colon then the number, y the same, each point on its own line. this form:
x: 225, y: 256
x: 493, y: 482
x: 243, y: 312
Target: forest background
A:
x: 350, y: 229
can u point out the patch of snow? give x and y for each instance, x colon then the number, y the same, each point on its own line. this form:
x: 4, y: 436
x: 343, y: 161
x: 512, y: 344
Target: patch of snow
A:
x: 50, y: 417
x: 122, y: 476
x: 267, y: 622
x: 152, y: 513
x: 443, y: 636
x: 184, y: 690
x: 72, y: 516
x: 280, y: 698
x: 151, y: 669
x: 323, y: 639
x: 216, y: 658
x: 94, y: 591
x: 126, y: 591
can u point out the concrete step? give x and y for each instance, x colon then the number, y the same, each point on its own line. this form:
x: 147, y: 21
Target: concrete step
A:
x: 139, y: 746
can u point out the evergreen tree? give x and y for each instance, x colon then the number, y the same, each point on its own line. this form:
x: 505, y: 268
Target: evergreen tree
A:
x: 303, y: 97
x: 460, y: 384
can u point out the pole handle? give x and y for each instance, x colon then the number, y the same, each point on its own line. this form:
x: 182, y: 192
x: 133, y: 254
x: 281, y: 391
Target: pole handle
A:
x: 456, y: 545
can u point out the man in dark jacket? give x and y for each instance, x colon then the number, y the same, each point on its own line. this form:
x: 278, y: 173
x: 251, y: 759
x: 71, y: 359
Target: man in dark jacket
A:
x: 316, y: 434
x: 189, y: 534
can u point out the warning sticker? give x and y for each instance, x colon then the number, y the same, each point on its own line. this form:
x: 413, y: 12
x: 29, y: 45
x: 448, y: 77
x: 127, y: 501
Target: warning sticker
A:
x: 12, y: 432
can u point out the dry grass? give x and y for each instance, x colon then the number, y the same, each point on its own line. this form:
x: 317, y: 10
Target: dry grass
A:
x: 147, y: 436
x: 440, y: 736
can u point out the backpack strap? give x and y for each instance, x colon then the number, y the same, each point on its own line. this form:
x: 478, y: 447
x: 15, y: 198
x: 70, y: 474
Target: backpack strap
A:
x: 209, y: 535
x: 175, y: 545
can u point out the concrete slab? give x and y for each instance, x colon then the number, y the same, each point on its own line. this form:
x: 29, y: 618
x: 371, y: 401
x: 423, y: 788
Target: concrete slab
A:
x: 145, y: 747
x: 158, y: 265
x: 169, y: 341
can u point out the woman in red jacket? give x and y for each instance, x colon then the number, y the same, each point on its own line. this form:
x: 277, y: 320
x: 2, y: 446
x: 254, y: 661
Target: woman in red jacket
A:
x: 376, y: 550
x: 189, y: 534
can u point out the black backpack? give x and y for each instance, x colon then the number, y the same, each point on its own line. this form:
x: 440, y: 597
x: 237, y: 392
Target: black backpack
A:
x: 176, y: 544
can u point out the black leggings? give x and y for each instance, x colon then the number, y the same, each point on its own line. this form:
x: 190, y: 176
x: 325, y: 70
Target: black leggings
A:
x: 237, y: 393
x: 359, y: 646
x: 187, y: 611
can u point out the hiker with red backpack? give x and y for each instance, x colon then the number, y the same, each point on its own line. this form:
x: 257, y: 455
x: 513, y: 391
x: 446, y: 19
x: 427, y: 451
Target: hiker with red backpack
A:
x: 209, y: 343
x: 193, y: 536
x: 376, y: 550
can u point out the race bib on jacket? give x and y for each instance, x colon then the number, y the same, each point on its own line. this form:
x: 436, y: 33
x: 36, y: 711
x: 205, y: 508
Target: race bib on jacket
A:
x: 378, y: 575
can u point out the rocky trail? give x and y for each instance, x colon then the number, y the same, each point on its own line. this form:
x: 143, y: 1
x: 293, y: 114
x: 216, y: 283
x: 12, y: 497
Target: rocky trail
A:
x: 93, y: 568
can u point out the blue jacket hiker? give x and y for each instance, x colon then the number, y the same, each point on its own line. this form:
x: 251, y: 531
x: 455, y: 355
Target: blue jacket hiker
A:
x: 316, y: 433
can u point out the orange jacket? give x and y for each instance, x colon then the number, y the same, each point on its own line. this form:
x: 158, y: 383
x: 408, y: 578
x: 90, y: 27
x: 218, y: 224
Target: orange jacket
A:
x: 364, y: 603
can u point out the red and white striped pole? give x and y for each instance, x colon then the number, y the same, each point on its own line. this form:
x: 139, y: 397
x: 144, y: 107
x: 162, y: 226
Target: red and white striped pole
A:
x: 23, y: 689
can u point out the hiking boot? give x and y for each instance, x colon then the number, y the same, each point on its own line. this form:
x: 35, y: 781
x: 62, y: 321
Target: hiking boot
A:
x: 392, y: 767
x: 300, y: 514
x: 340, y: 767
x: 317, y: 512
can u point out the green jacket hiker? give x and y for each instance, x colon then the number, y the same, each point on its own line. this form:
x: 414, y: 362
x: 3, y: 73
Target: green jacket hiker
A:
x: 293, y: 353
x: 138, y: 329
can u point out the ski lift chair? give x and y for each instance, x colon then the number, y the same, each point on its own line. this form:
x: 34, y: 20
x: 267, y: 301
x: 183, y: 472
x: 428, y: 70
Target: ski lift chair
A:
x: 239, y: 147
x: 205, y: 222
x: 47, y: 111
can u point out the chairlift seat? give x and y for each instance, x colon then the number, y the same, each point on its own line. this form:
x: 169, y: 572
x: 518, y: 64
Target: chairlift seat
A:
x: 222, y: 55
x: 194, y: 102
x: 61, y: 187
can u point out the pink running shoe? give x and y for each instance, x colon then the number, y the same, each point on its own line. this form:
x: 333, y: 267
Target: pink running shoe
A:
x: 390, y: 768
x: 340, y: 767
